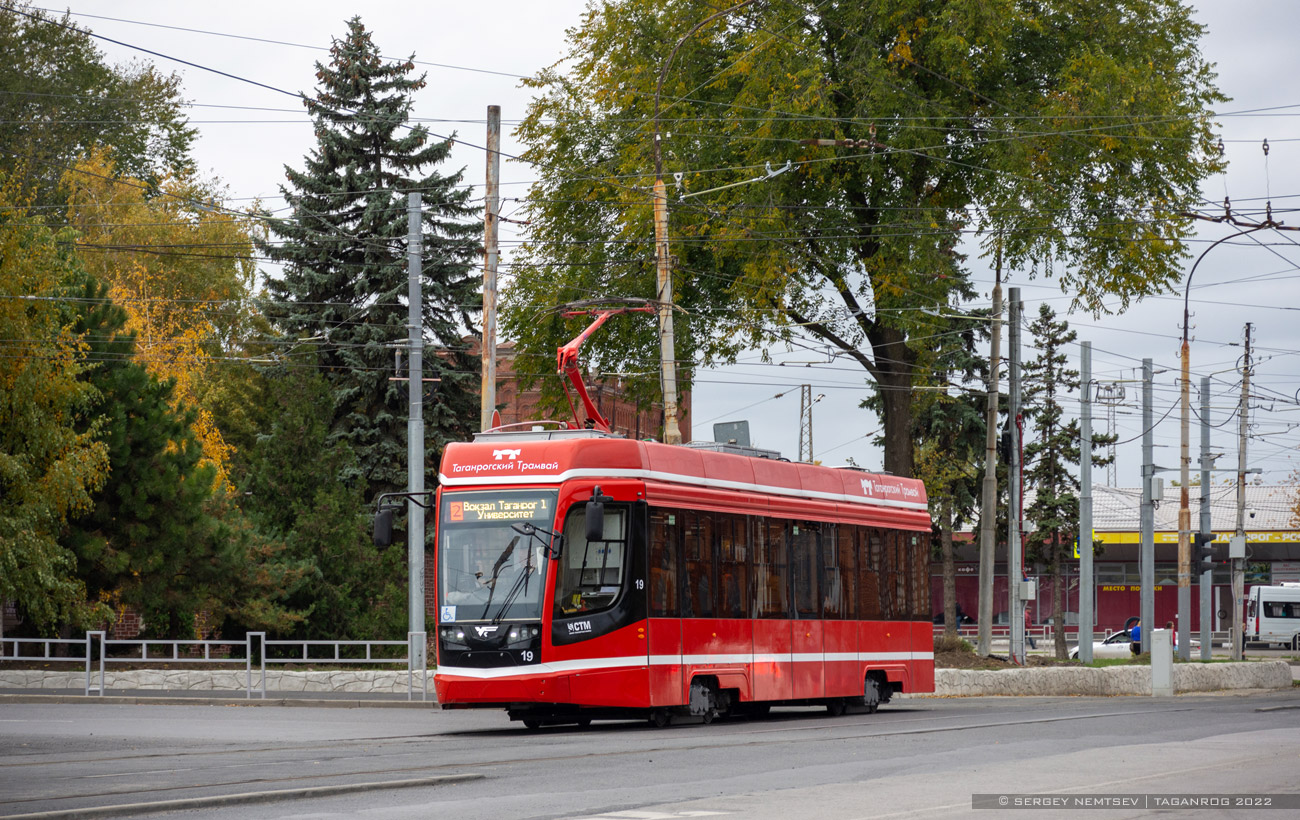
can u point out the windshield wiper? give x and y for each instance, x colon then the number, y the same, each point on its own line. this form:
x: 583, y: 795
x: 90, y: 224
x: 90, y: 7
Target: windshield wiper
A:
x: 496, y: 571
x: 519, y: 584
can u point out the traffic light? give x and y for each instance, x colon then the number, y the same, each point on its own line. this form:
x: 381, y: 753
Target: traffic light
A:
x: 1204, y: 544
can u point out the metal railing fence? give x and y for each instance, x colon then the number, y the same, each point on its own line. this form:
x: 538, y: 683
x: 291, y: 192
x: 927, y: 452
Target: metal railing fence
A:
x: 97, y: 652
x: 1045, y: 632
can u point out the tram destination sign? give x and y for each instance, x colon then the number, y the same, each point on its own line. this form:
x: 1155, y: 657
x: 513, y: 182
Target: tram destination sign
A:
x: 507, y: 506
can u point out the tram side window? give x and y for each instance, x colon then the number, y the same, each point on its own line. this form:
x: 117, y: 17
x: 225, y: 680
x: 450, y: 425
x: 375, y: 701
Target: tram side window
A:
x: 698, y: 595
x: 844, y: 579
x: 733, y: 576
x: 920, y: 577
x: 872, y: 543
x: 832, y: 580
x: 894, y: 598
x: 663, y: 562
x: 805, y: 566
x: 771, y: 571
x: 591, y: 572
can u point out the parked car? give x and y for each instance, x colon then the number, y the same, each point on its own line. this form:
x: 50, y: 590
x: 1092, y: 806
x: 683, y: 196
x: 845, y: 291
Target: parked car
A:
x: 1114, y: 645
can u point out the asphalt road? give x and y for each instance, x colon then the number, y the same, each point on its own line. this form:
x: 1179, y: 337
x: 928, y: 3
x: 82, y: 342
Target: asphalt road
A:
x: 915, y: 758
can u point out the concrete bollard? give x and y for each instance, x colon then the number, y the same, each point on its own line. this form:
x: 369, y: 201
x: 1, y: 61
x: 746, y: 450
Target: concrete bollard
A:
x: 1162, y: 663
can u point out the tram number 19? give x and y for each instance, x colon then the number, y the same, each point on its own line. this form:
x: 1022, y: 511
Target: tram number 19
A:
x: 640, y: 583
x: 526, y: 655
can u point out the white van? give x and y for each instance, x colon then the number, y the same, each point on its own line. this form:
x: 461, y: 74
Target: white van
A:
x: 1273, y: 615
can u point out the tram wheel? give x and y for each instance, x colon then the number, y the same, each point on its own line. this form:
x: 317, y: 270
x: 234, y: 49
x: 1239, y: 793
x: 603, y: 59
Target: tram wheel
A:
x: 661, y: 718
x: 532, y: 724
x: 836, y: 708
x: 871, y: 695
x: 584, y: 723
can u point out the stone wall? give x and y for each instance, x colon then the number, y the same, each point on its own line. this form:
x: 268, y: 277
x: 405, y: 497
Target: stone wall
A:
x: 1109, y: 680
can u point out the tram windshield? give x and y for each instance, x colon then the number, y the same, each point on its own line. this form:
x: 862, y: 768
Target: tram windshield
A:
x: 488, y: 570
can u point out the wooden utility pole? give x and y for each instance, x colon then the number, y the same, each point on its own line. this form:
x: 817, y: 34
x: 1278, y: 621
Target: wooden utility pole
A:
x: 1015, y: 568
x: 664, y: 296
x: 491, y: 214
x: 1184, y: 509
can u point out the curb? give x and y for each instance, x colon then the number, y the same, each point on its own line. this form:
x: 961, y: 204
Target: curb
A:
x: 130, y: 809
x: 1064, y: 681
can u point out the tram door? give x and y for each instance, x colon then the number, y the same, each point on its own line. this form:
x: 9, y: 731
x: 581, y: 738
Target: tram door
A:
x: 664, y: 626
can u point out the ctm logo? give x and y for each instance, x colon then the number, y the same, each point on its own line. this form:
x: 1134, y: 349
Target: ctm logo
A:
x: 510, y: 454
x: 485, y: 631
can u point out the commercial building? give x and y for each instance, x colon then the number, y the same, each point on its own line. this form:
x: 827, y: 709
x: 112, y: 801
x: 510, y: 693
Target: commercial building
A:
x: 1272, y: 557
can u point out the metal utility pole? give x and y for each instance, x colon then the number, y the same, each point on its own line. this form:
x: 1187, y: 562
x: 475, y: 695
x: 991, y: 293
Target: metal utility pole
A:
x: 1238, y: 562
x: 1111, y: 395
x: 415, y: 421
x: 1207, y: 576
x: 1015, y: 572
x: 988, y: 505
x: 806, y: 402
x: 491, y: 224
x: 1147, y: 565
x: 1085, y: 505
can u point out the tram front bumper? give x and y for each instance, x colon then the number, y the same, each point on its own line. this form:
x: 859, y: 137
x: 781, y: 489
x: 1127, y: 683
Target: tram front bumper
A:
x: 499, y: 687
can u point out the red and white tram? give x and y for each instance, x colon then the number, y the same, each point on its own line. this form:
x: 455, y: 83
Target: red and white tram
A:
x: 582, y: 575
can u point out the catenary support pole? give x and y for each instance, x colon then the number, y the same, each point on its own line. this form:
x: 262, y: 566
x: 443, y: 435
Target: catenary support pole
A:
x: 988, y: 505
x: 1147, y: 565
x: 1015, y: 571
x: 1207, y: 577
x: 491, y: 253
x: 1086, y: 586
x: 1238, y: 568
x: 415, y: 421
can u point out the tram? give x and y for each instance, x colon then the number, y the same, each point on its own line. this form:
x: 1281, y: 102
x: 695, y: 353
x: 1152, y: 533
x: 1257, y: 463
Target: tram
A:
x: 582, y: 575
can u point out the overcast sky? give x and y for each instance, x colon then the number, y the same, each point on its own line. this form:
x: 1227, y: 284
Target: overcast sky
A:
x: 484, y: 48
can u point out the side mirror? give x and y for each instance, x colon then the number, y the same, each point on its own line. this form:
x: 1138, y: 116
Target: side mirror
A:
x: 383, y: 533
x: 595, y: 517
x: 595, y: 523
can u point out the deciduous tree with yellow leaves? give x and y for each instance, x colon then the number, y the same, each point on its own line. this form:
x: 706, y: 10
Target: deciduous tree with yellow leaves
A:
x: 181, y: 265
x: 50, y: 459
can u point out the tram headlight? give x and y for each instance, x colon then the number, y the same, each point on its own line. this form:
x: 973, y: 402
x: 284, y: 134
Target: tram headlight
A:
x: 452, y: 636
x: 522, y: 636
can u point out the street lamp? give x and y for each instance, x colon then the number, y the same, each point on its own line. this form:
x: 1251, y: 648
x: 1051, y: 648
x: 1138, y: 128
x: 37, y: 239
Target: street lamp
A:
x: 1185, y: 459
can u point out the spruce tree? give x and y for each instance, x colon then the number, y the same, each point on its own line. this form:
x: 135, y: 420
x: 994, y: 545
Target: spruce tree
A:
x: 343, y: 251
x: 353, y: 591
